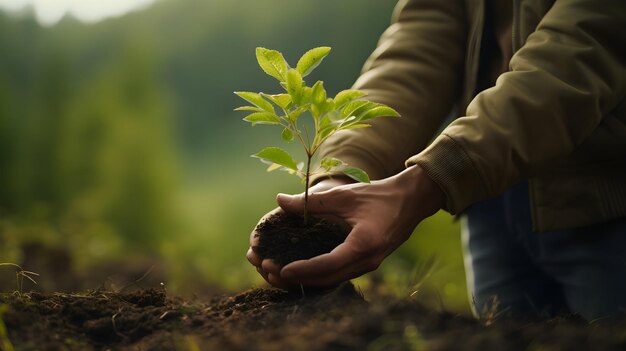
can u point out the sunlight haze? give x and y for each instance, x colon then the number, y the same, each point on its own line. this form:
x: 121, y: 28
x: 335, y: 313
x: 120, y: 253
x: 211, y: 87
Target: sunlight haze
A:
x: 49, y: 12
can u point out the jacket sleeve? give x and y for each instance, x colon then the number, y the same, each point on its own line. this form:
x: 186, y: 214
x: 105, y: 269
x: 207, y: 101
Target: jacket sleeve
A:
x: 565, y: 78
x: 416, y: 69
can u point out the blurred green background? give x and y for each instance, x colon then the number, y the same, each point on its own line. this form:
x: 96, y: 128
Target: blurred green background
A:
x: 120, y: 152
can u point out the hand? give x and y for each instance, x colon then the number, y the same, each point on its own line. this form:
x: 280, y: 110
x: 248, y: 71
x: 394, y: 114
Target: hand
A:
x: 382, y: 216
x: 268, y: 269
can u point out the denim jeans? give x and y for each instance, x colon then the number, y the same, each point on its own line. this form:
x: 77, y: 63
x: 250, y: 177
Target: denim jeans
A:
x: 514, y: 271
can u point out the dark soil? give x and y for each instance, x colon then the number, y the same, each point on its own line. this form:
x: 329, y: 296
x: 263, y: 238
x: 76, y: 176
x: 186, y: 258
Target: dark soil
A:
x: 285, y: 237
x: 270, y: 319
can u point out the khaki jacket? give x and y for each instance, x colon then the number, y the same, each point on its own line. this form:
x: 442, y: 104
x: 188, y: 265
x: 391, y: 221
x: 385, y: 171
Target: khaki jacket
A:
x: 557, y: 117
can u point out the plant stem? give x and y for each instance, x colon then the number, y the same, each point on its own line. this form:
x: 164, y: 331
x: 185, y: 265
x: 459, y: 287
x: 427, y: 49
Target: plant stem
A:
x: 306, y: 188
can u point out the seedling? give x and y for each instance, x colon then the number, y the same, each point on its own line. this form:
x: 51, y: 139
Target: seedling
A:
x: 347, y: 110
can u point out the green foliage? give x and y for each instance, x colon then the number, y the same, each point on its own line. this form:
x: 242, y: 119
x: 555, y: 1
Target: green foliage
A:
x: 347, y: 110
x: 5, y: 342
x: 311, y: 59
x: 357, y: 174
x: 272, y: 62
x: 276, y: 155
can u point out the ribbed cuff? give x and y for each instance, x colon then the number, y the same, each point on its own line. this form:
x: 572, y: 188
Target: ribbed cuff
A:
x: 448, y: 165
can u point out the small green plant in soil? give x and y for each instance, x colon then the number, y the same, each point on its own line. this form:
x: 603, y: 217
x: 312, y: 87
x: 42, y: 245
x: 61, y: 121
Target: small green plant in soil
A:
x: 327, y: 116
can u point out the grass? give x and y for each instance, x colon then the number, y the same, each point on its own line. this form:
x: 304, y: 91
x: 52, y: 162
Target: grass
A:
x: 20, y: 274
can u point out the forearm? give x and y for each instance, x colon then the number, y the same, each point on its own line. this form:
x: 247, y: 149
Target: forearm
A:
x: 568, y: 75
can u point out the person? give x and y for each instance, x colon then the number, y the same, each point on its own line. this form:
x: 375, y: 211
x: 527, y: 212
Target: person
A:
x: 536, y: 164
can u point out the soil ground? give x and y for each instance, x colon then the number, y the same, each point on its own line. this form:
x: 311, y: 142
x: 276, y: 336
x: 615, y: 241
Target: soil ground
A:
x: 270, y: 319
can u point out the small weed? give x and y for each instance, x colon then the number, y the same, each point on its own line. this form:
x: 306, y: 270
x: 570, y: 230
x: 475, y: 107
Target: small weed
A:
x: 491, y: 311
x: 420, y: 274
x: 20, y: 274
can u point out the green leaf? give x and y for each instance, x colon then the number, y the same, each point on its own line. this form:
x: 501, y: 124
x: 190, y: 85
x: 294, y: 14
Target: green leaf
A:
x: 356, y: 126
x: 273, y: 167
x: 346, y: 96
x: 293, y: 115
x: 324, y: 132
x: 318, y: 94
x: 305, y: 96
x: 353, y: 108
x: 379, y: 111
x: 311, y: 59
x: 272, y: 62
x: 287, y: 135
x: 329, y: 105
x: 329, y: 163
x: 257, y: 100
x: 262, y: 118
x: 329, y: 118
x: 294, y: 85
x: 277, y: 155
x: 282, y: 100
x: 249, y: 108
x: 357, y: 174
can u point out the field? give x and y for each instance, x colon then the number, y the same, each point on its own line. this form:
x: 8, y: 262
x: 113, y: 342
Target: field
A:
x: 270, y: 319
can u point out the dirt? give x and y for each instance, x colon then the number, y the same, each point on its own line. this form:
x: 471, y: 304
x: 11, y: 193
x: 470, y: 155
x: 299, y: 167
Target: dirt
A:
x: 271, y: 319
x: 286, y: 238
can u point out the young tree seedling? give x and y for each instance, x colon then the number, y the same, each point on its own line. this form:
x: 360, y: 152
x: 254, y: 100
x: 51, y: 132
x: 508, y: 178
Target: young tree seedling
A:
x: 347, y: 110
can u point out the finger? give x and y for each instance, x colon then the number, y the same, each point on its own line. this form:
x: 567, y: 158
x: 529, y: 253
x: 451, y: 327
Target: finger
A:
x: 291, y: 203
x: 253, y: 257
x: 254, y: 238
x: 327, y: 264
x: 273, y: 279
x: 318, y: 203
x: 356, y: 268
x: 269, y: 266
x: 277, y: 281
x: 353, y: 271
x: 262, y: 273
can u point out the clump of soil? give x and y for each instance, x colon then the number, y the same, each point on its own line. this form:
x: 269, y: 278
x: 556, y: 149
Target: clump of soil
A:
x: 285, y: 238
x: 272, y: 319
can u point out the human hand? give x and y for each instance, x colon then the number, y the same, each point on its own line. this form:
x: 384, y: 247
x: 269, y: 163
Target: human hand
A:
x: 267, y: 268
x: 382, y: 216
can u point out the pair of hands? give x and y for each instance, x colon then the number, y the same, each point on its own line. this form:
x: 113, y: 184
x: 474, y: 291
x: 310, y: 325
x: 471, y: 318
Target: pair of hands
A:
x: 379, y: 216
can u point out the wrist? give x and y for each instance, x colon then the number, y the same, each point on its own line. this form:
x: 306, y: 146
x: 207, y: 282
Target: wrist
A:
x: 426, y: 193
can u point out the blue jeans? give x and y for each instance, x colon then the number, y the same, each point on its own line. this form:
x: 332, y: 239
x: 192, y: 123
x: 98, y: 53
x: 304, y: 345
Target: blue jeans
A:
x: 514, y: 271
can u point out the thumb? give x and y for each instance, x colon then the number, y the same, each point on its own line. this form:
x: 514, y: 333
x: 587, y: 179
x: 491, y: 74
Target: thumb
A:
x: 291, y: 203
x: 318, y: 203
